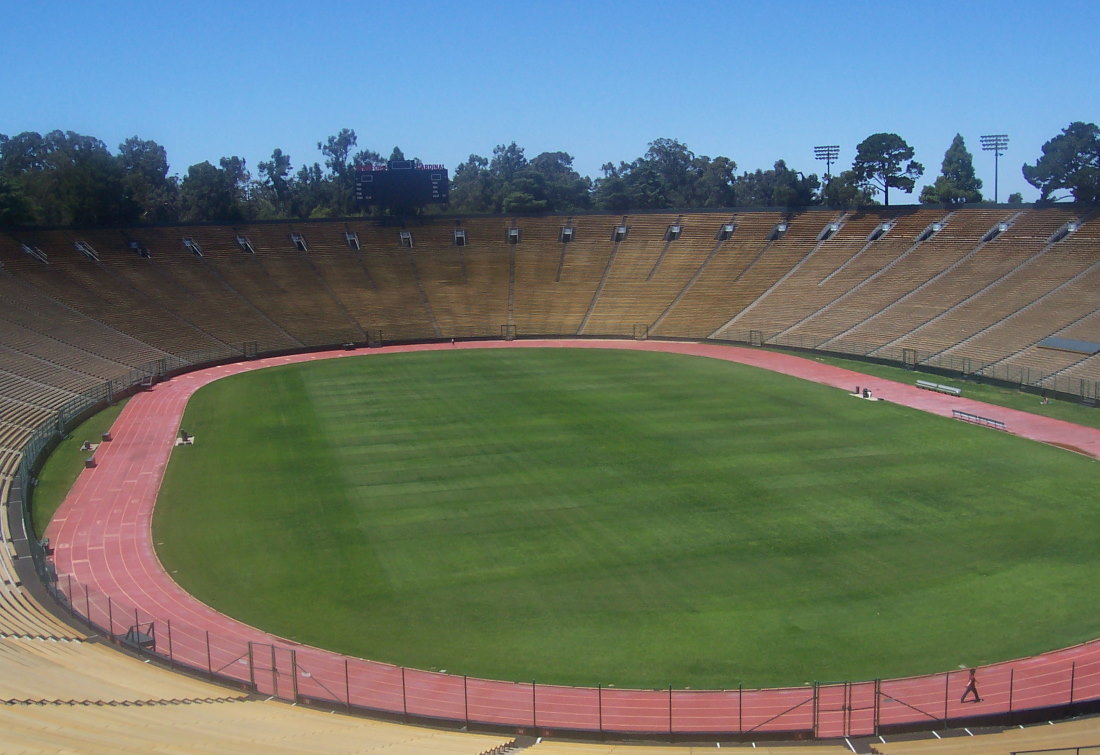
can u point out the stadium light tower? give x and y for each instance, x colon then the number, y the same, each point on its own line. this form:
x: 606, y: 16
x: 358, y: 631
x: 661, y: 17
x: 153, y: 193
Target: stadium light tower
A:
x: 829, y: 154
x: 995, y: 143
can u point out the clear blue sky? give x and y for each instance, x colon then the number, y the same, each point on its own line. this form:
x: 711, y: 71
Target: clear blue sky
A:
x: 754, y: 81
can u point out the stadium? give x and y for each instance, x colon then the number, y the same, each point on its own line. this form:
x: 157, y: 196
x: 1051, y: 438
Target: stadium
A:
x: 960, y: 299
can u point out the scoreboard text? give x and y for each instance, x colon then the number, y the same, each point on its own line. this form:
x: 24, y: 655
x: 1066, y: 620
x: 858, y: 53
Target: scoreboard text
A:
x: 401, y: 184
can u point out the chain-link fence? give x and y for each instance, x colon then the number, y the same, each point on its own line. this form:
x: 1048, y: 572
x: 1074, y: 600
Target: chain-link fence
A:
x: 1008, y: 692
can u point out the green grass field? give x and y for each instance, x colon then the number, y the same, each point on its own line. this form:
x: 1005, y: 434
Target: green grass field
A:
x: 60, y: 470
x: 637, y: 519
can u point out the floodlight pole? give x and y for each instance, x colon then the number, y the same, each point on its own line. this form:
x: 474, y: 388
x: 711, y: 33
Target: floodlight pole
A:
x: 828, y: 154
x: 995, y: 143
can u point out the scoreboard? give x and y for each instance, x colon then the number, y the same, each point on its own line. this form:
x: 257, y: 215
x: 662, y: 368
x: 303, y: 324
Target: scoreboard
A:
x: 401, y: 184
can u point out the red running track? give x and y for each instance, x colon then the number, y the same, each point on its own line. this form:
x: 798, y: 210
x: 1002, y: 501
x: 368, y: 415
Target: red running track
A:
x: 107, y: 566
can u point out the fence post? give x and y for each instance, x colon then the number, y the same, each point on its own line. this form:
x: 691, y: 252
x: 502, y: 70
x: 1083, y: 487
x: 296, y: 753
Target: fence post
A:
x: 110, y: 620
x: 294, y: 674
x: 534, y: 708
x: 670, y: 710
x: 878, y: 705
x: 251, y: 668
x: 1011, y: 690
x: 946, y: 695
x: 274, y: 673
x: 599, y: 705
x: 814, y: 708
x: 209, y: 662
x: 87, y: 605
x: 740, y: 700
x: 404, y: 698
x: 347, y: 684
x: 1072, y: 680
x: 171, y: 660
x: 465, y: 702
x: 847, y: 708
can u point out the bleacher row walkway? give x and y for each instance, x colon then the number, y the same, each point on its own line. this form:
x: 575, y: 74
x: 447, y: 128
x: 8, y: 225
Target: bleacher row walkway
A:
x: 102, y: 535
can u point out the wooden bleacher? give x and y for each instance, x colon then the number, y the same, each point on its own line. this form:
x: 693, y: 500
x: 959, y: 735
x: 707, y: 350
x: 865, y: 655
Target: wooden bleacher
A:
x: 931, y: 262
x: 541, y: 303
x: 556, y: 747
x: 1034, y: 362
x: 281, y: 284
x: 92, y: 289
x: 468, y: 285
x: 396, y: 305
x: 488, y: 284
x: 832, y: 268
x: 777, y: 260
x: 221, y: 727
x: 1056, y: 292
x: 949, y: 296
x: 859, y: 319
x: 641, y: 279
x: 979, y: 291
x: 952, y: 295
x: 832, y: 280
x: 1079, y: 377
x: 37, y: 324
x: 556, y: 282
x: 705, y: 304
x: 1082, y: 733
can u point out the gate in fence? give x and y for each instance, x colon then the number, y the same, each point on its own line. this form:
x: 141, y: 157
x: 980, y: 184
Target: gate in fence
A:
x: 846, y: 709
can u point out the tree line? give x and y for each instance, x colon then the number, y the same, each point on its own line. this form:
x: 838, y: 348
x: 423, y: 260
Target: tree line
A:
x: 65, y: 178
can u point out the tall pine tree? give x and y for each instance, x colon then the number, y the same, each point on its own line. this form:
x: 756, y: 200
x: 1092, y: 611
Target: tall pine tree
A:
x: 883, y: 161
x: 956, y: 183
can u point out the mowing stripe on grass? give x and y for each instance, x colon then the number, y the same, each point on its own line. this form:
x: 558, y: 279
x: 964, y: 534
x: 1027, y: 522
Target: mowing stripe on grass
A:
x: 627, y: 518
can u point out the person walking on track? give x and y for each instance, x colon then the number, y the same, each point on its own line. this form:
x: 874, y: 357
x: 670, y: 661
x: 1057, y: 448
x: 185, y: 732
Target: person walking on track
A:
x: 971, y: 686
